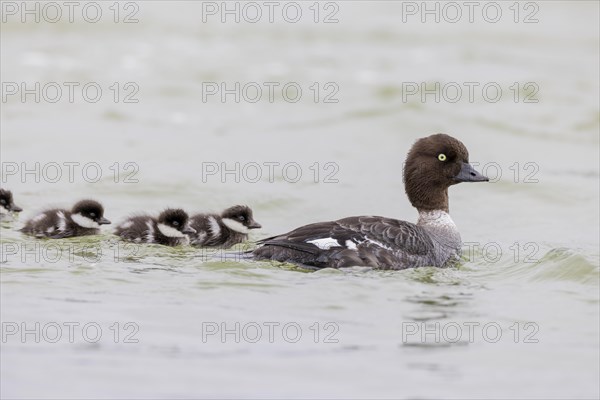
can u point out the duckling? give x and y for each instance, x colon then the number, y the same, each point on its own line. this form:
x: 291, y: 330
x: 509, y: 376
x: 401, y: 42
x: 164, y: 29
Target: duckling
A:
x: 7, y: 204
x: 170, y: 228
x: 225, y: 230
x: 83, y: 219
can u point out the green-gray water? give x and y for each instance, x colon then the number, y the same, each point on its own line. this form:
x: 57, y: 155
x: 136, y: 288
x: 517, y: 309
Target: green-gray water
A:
x: 519, y: 318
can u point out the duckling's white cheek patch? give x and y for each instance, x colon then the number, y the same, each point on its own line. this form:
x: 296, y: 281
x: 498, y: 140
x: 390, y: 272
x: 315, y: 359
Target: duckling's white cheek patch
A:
x: 84, y: 222
x: 234, y: 225
x: 3, y: 210
x: 169, y: 231
x: 325, y: 244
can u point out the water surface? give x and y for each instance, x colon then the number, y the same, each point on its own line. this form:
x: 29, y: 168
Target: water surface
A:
x: 517, y: 319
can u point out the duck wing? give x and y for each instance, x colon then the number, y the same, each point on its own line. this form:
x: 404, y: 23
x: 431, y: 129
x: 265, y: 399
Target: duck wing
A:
x: 364, y: 241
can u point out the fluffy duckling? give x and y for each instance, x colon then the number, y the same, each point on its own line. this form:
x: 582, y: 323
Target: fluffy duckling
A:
x: 170, y: 228
x: 225, y: 230
x: 83, y: 219
x: 7, y: 204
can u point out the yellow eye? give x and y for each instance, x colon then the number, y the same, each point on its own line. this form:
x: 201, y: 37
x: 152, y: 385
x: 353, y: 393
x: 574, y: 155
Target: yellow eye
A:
x: 442, y: 157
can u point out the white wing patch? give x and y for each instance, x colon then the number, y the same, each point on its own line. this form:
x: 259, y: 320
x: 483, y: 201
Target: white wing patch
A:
x: 126, y: 224
x: 62, y: 221
x: 38, y: 218
x: 199, y: 238
x: 215, y: 229
x: 350, y: 245
x: 234, y: 225
x: 379, y: 244
x: 149, y: 232
x: 84, y: 222
x: 325, y: 243
x: 170, y: 232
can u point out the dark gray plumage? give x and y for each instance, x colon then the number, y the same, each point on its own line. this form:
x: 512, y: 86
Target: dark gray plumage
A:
x: 367, y: 240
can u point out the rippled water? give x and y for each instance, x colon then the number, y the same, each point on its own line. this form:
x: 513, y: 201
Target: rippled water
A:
x: 517, y: 319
